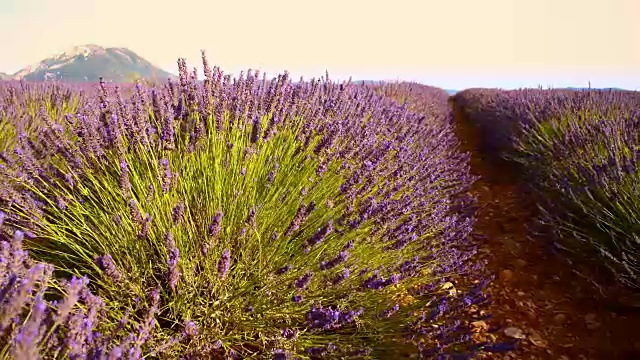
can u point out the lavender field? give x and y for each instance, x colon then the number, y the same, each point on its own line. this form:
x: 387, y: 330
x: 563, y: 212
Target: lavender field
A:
x: 247, y: 217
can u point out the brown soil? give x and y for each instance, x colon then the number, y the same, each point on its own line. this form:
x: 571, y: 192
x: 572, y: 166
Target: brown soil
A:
x: 535, y: 291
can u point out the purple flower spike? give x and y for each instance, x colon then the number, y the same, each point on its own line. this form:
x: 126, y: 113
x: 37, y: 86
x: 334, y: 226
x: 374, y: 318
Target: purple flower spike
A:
x: 342, y: 257
x: 167, y: 176
x: 320, y: 235
x: 283, y: 270
x: 177, y: 213
x: 25, y: 344
x: 329, y: 318
x: 251, y: 218
x: 173, y: 273
x: 280, y: 354
x: 73, y: 289
x: 300, y: 217
x: 190, y: 328
x: 136, y: 216
x: 224, y: 264
x: 290, y: 334
x: 255, y: 130
x: 304, y: 280
x: 343, y: 275
x: 216, y: 224
x: 108, y: 266
x: 125, y: 184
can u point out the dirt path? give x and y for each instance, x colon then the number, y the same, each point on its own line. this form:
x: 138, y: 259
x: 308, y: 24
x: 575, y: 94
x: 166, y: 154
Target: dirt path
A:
x: 535, y: 293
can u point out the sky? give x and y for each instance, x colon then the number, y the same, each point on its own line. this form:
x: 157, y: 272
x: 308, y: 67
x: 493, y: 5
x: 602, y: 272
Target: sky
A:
x: 451, y: 44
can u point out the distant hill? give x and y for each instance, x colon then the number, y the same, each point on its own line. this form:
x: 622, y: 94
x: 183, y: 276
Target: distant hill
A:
x: 367, y: 82
x: 87, y: 63
x: 4, y: 76
x: 581, y: 88
x: 373, y: 82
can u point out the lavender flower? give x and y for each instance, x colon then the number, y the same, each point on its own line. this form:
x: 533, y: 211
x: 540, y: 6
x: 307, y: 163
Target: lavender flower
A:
x: 73, y: 289
x: 289, y: 334
x: 342, y: 257
x: 377, y: 282
x: 62, y: 205
x: 304, y: 280
x: 216, y: 224
x: 190, y: 328
x: 280, y: 354
x: 12, y: 308
x: 173, y: 273
x: 272, y: 174
x: 256, y: 129
x: 329, y: 318
x: 125, y: 183
x: 223, y: 264
x: 166, y: 175
x: 251, y: 219
x: 177, y: 213
x: 146, y: 225
x: 283, y: 270
x: 320, y: 234
x: 343, y: 275
x: 136, y: 216
x: 107, y: 265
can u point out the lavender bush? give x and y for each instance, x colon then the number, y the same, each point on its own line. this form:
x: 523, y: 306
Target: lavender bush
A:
x: 254, y: 218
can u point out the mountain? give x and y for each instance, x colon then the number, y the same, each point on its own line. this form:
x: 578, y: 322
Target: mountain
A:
x: 4, y: 76
x: 451, y: 91
x: 87, y: 63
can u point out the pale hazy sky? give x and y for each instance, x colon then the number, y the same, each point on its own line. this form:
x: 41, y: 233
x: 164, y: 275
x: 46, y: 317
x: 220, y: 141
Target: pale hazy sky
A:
x: 452, y: 44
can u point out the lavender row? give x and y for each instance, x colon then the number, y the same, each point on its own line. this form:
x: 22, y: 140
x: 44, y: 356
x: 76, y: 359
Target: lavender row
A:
x: 579, y: 152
